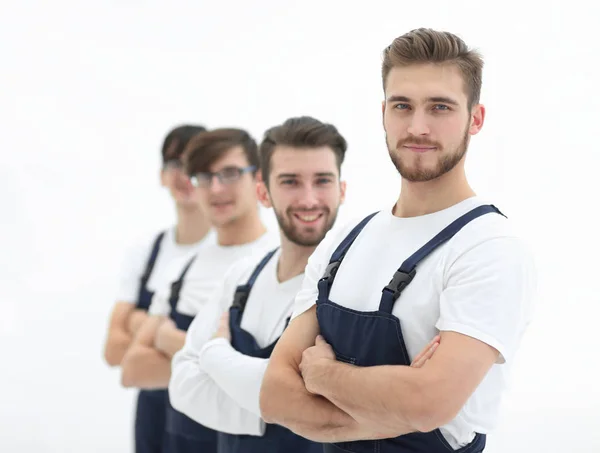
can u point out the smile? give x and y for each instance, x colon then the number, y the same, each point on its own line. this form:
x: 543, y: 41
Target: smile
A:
x: 308, y: 218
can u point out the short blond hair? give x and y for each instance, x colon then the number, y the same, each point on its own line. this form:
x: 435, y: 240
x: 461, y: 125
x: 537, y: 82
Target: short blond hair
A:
x: 425, y: 45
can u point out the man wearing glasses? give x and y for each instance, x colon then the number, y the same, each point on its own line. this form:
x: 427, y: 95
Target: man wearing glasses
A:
x: 146, y: 270
x: 221, y: 165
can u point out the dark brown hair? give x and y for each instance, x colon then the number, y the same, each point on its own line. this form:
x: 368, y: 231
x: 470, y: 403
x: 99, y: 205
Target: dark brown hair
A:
x: 425, y: 45
x: 301, y: 132
x: 208, y: 147
x: 175, y: 141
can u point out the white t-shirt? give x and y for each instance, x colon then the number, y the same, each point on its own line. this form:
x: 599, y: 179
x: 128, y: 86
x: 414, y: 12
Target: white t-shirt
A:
x: 171, y: 258
x: 480, y: 283
x: 205, y: 274
x: 211, y: 382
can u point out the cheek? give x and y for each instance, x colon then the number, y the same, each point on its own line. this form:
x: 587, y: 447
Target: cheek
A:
x: 392, y: 122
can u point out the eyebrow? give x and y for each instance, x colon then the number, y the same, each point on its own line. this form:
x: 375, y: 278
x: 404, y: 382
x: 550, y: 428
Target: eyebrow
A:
x: 295, y: 175
x: 440, y: 99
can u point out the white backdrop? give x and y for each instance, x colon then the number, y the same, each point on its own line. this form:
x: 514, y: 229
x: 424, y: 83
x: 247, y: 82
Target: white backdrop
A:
x: 88, y: 90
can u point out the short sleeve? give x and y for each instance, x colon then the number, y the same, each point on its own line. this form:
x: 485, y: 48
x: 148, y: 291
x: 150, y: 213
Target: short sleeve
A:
x: 132, y: 269
x: 489, y: 293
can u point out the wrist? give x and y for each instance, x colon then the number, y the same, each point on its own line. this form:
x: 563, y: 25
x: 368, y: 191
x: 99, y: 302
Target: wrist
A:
x: 324, y: 377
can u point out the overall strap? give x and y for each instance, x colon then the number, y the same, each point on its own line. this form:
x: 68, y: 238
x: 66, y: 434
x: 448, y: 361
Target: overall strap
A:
x: 243, y: 291
x: 338, y: 255
x: 407, y: 271
x: 178, y: 284
x: 152, y: 259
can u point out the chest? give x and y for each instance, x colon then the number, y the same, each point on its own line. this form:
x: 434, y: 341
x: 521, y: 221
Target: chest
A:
x: 368, y: 268
x: 267, y: 310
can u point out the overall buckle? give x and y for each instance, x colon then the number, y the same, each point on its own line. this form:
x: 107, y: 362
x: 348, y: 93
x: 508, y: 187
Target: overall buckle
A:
x: 399, y: 281
x: 331, y: 270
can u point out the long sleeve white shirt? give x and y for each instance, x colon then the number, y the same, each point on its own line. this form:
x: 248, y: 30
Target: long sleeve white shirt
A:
x: 214, y: 384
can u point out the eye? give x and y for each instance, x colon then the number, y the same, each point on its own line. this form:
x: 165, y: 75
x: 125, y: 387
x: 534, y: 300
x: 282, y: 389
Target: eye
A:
x: 323, y: 181
x: 401, y: 106
x: 288, y: 182
x: 441, y: 107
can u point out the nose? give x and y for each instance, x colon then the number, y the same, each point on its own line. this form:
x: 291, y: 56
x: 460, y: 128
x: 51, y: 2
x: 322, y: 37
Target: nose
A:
x: 418, y: 124
x: 308, y: 198
x: 216, y: 186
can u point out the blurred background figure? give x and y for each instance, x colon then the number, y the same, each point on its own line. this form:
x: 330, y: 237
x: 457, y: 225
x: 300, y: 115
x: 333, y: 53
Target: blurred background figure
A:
x: 148, y: 268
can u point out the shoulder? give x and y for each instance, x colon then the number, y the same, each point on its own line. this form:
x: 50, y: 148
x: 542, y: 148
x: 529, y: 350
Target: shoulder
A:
x: 490, y: 237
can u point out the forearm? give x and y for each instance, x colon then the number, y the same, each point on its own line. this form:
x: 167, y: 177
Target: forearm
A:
x: 171, y: 342
x: 146, y: 368
x: 284, y: 400
x: 238, y: 375
x: 135, y: 320
x: 194, y: 393
x: 117, y: 343
x: 389, y: 397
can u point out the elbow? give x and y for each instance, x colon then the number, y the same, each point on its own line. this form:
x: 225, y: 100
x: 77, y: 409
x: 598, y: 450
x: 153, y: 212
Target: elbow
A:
x: 111, y: 357
x: 433, y: 418
x: 176, y: 399
x: 269, y: 409
x: 129, y: 376
x: 433, y: 411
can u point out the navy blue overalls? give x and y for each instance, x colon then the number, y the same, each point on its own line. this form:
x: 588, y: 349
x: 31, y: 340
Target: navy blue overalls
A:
x: 150, y: 409
x: 184, y: 435
x: 375, y: 338
x: 276, y: 439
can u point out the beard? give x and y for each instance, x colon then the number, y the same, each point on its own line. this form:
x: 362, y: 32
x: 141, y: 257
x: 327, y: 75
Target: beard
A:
x: 417, y: 172
x: 308, y: 236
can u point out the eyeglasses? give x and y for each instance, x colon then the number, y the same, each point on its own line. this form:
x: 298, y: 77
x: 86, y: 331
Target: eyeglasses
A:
x: 226, y: 176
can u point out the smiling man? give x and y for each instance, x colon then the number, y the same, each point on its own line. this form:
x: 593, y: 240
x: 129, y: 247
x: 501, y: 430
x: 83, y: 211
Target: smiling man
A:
x: 217, y: 383
x: 441, y: 260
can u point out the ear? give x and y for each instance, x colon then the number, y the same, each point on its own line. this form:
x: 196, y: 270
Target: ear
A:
x: 342, y: 191
x: 163, y: 178
x: 477, y: 119
x: 262, y: 193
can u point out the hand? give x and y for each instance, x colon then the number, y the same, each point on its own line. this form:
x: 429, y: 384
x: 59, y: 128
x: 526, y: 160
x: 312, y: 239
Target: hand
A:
x: 426, y: 353
x: 223, y: 329
x: 314, y: 363
x: 165, y: 328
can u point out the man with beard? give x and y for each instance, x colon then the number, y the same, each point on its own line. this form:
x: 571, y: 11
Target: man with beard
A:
x: 441, y: 260
x: 217, y: 382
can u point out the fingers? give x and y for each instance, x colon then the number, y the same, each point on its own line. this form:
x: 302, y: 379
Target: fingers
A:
x: 426, y: 350
x: 425, y: 355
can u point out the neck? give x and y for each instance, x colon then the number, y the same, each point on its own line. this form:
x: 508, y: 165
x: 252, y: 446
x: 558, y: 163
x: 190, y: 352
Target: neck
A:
x: 243, y: 230
x: 191, y: 227
x: 292, y: 260
x: 421, y: 198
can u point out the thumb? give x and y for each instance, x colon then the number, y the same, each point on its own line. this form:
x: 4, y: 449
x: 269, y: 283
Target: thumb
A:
x: 320, y: 340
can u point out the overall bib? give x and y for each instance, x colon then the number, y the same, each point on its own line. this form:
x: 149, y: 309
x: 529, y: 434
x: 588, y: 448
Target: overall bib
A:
x: 276, y: 438
x: 184, y: 435
x: 150, y: 408
x: 375, y: 338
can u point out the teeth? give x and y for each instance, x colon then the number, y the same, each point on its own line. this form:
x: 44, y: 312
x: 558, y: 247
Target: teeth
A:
x: 308, y: 218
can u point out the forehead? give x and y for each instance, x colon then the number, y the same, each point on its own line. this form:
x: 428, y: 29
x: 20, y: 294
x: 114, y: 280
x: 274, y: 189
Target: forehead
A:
x: 234, y: 157
x: 423, y: 81
x: 303, y: 161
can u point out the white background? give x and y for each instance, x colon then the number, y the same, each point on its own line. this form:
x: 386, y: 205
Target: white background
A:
x: 88, y: 89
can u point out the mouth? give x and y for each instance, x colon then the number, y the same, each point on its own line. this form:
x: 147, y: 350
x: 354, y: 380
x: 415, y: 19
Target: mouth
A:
x: 419, y: 148
x: 220, y: 204
x: 308, y: 219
